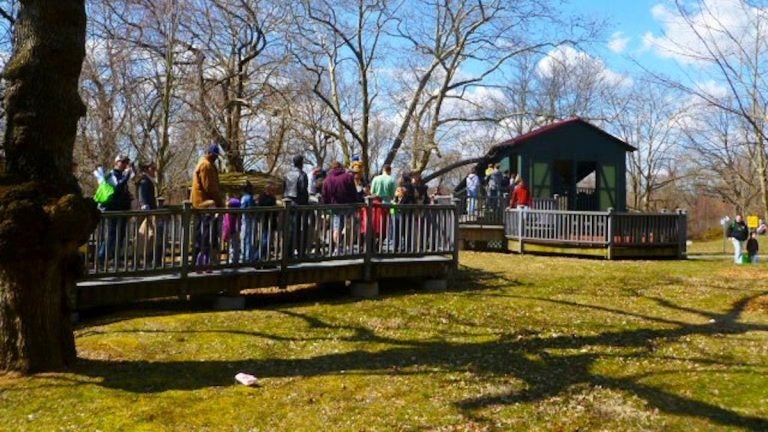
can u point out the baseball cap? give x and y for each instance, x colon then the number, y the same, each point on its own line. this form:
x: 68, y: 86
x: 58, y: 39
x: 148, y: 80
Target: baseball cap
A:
x: 214, y: 149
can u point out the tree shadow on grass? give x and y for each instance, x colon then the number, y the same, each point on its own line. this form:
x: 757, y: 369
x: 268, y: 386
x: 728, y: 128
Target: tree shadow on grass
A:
x: 466, y: 279
x: 527, y: 357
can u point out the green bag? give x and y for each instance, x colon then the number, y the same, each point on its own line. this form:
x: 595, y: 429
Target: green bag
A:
x: 104, y: 193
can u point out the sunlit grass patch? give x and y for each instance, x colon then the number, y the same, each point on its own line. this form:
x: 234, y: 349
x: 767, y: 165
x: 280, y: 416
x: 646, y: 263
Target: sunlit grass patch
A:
x: 516, y: 343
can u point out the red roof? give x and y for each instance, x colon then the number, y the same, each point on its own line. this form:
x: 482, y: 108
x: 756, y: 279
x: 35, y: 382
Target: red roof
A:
x: 558, y: 125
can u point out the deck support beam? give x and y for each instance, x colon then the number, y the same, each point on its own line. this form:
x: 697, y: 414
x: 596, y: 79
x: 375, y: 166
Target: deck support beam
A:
x: 365, y: 289
x: 226, y: 303
x: 434, y: 285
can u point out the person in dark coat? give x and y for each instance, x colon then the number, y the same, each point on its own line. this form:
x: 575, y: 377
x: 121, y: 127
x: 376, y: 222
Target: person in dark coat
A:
x: 115, y: 240
x: 296, y: 192
x: 145, y: 186
x: 737, y: 232
x: 268, y: 222
x: 753, y: 247
x: 420, y: 190
x: 297, y: 183
x: 339, y: 188
x: 151, y: 228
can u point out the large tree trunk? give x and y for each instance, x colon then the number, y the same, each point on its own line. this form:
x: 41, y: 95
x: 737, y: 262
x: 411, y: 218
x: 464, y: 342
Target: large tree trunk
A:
x: 43, y: 217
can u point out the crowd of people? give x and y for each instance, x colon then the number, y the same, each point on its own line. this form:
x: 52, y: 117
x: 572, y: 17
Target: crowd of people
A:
x: 248, y: 236
x: 496, y: 186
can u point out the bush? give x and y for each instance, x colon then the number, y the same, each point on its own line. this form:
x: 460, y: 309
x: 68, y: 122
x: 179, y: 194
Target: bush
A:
x: 711, y: 234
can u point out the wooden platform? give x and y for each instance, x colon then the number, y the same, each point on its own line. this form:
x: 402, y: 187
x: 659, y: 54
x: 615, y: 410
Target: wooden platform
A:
x: 121, y: 290
x: 587, y: 249
x: 480, y: 234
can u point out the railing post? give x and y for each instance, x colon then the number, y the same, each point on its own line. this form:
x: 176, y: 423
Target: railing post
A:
x: 520, y: 226
x: 369, y: 231
x: 682, y: 234
x: 287, y: 232
x: 610, y: 223
x: 456, y: 232
x: 186, y: 213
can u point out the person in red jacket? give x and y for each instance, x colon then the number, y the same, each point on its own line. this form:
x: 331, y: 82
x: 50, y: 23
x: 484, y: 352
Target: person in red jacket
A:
x: 521, y: 196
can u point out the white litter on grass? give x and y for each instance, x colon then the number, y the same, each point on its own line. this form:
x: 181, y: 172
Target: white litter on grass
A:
x: 247, y: 379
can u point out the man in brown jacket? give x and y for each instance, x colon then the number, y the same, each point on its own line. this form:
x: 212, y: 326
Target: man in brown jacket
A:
x: 206, y: 194
x: 205, y: 184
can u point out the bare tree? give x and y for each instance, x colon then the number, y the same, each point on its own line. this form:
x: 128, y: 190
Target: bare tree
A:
x: 730, y: 46
x: 447, y: 36
x: 237, y: 74
x: 718, y: 159
x: 646, y: 116
x: 132, y: 81
x: 328, y: 36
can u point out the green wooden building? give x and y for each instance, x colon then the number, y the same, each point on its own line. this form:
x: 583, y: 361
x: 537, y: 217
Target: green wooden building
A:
x: 582, y: 164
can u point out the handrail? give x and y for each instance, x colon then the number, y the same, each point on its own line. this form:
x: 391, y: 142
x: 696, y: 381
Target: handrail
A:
x: 605, y: 229
x: 489, y: 210
x: 184, y: 240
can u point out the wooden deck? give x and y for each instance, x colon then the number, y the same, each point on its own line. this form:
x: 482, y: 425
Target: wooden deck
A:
x: 607, y: 235
x: 127, y: 289
x: 293, y: 245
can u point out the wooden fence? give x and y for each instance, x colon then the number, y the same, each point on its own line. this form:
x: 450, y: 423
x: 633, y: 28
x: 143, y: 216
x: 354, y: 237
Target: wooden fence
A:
x: 598, y: 229
x: 182, y: 240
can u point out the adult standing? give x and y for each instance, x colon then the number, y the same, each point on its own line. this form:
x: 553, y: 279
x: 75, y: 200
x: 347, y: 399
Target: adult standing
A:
x: 423, y: 226
x: 495, y: 187
x: 145, y: 186
x: 115, y: 240
x: 316, y: 184
x: 206, y: 193
x: 737, y: 232
x: 339, y: 188
x: 297, y: 183
x: 383, y: 189
x: 268, y: 222
x: 521, y: 196
x: 473, y: 192
x: 420, y: 189
x: 383, y: 185
x: 150, y: 228
x: 296, y: 189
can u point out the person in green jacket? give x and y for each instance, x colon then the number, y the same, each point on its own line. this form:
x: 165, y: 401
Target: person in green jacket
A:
x: 383, y: 185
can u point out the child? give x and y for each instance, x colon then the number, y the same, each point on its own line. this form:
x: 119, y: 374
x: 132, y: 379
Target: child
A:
x: 248, y: 220
x: 397, y: 219
x: 752, y: 248
x: 231, y: 231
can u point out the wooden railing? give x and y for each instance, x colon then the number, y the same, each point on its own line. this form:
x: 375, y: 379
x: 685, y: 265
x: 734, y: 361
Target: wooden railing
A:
x: 485, y: 210
x: 183, y: 240
x: 482, y: 210
x: 604, y: 229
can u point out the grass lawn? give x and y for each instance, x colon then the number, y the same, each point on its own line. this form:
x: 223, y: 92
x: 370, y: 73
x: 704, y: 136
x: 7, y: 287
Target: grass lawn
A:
x: 717, y: 246
x: 518, y: 343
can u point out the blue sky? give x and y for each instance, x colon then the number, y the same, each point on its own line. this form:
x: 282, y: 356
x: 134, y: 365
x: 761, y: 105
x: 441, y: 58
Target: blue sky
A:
x: 629, y: 21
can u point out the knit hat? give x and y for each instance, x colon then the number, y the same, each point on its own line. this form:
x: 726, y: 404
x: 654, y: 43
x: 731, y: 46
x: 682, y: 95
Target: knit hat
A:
x: 214, y: 149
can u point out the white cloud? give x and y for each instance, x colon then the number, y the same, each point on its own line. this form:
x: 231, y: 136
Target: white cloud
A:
x: 718, y: 24
x: 713, y: 89
x: 618, y: 42
x: 566, y: 58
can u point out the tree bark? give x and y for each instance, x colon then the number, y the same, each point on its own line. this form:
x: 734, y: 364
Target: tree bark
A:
x: 43, y: 216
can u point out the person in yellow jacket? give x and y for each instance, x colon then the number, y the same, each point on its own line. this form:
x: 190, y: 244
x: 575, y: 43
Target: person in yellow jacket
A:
x: 205, y: 194
x: 205, y: 183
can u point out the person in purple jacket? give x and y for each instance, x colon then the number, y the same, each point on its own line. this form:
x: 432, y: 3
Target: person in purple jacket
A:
x: 339, y: 188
